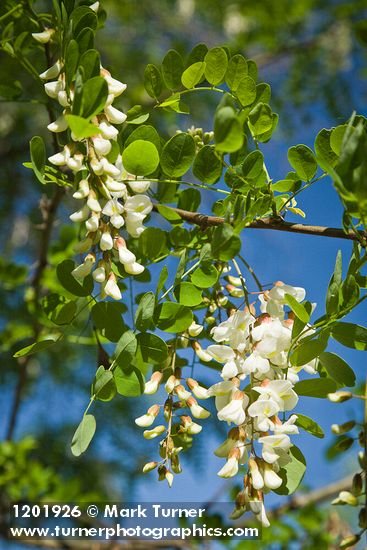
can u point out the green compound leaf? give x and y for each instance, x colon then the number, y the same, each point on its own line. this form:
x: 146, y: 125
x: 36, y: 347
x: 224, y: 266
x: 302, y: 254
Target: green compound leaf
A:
x: 236, y: 71
x: 207, y: 166
x: 178, y: 155
x: 38, y: 157
x: 319, y: 387
x: 350, y: 335
x: 188, y: 295
x: 193, y: 74
x: 309, y: 425
x: 172, y: 69
x: 216, y: 65
x: 81, y: 128
x: 107, y: 318
x: 338, y: 369
x: 172, y: 317
x: 225, y: 244
x: 153, y: 80
x: 140, y: 158
x: 228, y: 132
x: 292, y: 473
x: 205, y: 276
x: 302, y: 159
x: 129, y: 382
x: 69, y: 282
x: 83, y: 435
x: 152, y: 348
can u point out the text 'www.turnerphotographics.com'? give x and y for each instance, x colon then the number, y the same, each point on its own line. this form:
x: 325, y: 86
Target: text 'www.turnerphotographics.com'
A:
x: 120, y: 521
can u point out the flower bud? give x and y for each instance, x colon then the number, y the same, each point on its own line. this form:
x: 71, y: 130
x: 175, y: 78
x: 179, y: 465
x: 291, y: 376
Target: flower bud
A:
x: 114, y: 115
x: 52, y: 89
x: 346, y: 497
x: 350, y: 541
x: 169, y: 478
x: 101, y: 145
x: 339, y: 396
x: 195, y: 329
x: 155, y: 432
x: 83, y: 190
x: 108, y: 131
x: 147, y: 419
x: 94, y: 6
x: 362, y: 518
x: 171, y: 383
x: 271, y: 479
x: 339, y: 429
x: 149, y: 466
x: 52, y: 72
x: 257, y: 478
x: 357, y: 484
x: 106, y: 242
x: 92, y: 224
x: 43, y: 37
x: 93, y: 202
x: 230, y: 468
x: 85, y: 268
x: 139, y: 186
x: 196, y: 410
x: 181, y: 392
x: 80, y: 215
x: 75, y: 163
x: 99, y: 274
x: 111, y: 288
x: 152, y: 385
x: 134, y: 268
x: 125, y: 255
x: 235, y: 292
x: 59, y: 125
x: 197, y: 390
x: 203, y: 355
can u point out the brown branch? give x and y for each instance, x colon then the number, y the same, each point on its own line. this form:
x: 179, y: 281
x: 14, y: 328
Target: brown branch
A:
x: 277, y: 224
x: 48, y: 209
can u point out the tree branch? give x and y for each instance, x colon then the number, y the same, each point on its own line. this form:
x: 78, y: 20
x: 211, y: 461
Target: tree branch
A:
x: 48, y: 209
x: 277, y: 224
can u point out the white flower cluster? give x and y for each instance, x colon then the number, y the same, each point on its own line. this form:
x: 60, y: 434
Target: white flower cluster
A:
x: 109, y: 204
x: 179, y: 397
x: 256, y: 349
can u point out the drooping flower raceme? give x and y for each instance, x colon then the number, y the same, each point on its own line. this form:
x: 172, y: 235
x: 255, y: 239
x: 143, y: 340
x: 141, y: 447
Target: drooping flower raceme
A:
x: 108, y: 204
x: 254, y: 352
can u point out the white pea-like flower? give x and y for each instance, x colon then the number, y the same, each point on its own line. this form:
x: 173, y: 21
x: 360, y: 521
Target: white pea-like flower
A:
x: 85, y: 268
x: 106, y: 241
x: 235, y: 410
x: 52, y: 72
x: 134, y: 268
x: 80, y: 215
x: 197, y: 410
x: 114, y: 115
x: 195, y: 329
x: 53, y: 88
x: 152, y: 385
x: 111, y: 288
x: 59, y: 125
x: 43, y: 37
x: 155, y: 432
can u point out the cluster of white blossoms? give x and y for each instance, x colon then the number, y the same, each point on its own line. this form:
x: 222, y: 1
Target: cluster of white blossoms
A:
x: 255, y: 349
x: 180, y: 394
x: 108, y: 204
